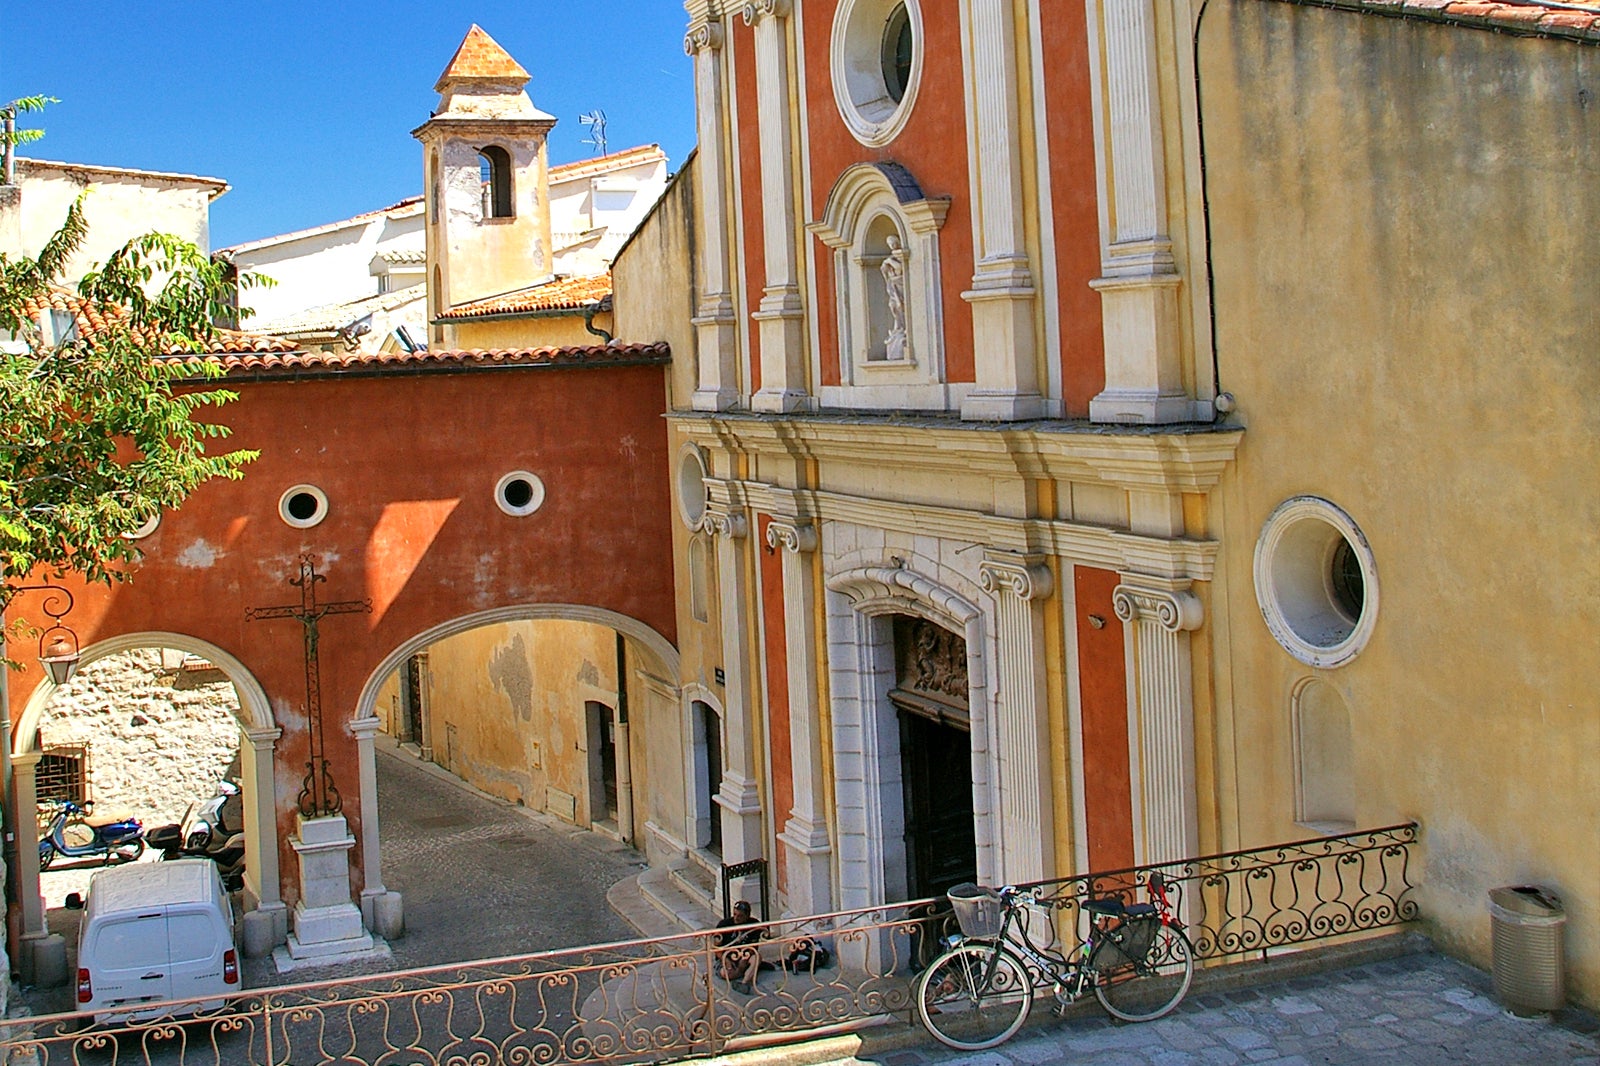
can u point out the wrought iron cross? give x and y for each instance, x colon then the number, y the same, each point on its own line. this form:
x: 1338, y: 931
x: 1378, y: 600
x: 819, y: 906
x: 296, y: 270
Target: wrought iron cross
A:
x: 318, y: 796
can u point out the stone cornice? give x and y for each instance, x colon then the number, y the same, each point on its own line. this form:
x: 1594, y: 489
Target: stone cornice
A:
x: 1160, y: 459
x: 1176, y: 559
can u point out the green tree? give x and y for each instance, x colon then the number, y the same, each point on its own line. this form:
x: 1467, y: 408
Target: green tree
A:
x: 95, y: 439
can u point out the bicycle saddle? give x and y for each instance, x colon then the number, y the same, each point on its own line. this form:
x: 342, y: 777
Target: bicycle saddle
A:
x: 1112, y: 907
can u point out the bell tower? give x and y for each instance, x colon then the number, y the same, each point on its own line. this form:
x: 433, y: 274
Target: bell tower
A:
x: 487, y: 180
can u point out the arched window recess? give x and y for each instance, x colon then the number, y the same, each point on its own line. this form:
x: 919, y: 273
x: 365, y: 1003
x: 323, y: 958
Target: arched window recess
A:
x: 494, y: 176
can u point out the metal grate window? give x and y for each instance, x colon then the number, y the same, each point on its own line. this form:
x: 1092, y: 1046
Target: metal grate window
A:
x: 63, y: 774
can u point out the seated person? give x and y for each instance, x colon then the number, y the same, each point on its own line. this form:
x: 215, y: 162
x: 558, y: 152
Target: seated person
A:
x: 740, y: 959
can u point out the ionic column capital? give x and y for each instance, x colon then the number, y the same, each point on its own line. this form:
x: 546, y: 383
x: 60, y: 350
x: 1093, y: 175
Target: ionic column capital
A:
x: 725, y: 524
x: 702, y: 35
x: 1025, y: 576
x: 798, y: 536
x: 1172, y: 609
x: 756, y: 10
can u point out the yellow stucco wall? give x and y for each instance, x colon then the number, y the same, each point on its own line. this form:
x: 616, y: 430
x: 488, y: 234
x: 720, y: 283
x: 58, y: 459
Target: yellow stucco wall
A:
x: 1403, y: 218
x: 653, y: 282
x: 549, y: 331
x: 506, y: 712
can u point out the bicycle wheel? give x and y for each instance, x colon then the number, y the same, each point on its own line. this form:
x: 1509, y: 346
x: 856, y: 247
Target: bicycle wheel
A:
x: 969, y: 1002
x: 1146, y: 989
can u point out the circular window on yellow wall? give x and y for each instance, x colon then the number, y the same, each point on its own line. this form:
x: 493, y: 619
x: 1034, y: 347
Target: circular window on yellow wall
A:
x: 1316, y: 581
x: 876, y: 60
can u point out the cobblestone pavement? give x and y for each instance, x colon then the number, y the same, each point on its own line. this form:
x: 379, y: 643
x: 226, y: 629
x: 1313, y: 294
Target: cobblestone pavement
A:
x: 1417, y: 1010
x: 482, y: 878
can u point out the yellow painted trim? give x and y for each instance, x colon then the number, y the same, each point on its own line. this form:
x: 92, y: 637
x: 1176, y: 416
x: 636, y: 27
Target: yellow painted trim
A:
x: 1055, y: 672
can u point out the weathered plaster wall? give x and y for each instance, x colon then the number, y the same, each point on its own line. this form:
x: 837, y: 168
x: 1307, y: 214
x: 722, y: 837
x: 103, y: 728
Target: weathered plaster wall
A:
x: 1403, y: 217
x: 653, y: 282
x: 506, y: 710
x: 328, y: 267
x: 550, y: 331
x: 118, y: 207
x: 158, y: 736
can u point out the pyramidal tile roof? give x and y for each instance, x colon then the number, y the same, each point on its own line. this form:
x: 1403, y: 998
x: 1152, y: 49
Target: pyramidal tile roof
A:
x: 480, y: 58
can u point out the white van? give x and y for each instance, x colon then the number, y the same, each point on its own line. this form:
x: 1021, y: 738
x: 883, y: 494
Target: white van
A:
x: 153, y: 932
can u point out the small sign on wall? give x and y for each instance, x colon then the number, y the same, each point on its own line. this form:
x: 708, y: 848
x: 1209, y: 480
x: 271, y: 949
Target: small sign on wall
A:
x: 721, y: 678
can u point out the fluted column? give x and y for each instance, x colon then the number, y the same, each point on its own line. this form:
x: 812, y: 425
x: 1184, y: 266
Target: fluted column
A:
x: 781, y: 314
x: 1002, y: 294
x: 1159, y: 615
x: 805, y: 835
x: 1019, y: 584
x: 1139, y: 283
x: 717, y: 384
x: 737, y: 795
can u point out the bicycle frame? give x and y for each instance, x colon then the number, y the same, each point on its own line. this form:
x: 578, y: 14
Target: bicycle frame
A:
x: 1070, y: 978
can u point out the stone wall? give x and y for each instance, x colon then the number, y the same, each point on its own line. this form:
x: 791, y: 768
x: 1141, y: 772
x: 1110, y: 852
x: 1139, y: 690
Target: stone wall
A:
x: 159, y: 734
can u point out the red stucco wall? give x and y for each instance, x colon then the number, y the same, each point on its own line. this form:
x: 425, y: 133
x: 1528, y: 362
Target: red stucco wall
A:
x: 776, y: 655
x: 1102, y: 680
x: 409, y: 464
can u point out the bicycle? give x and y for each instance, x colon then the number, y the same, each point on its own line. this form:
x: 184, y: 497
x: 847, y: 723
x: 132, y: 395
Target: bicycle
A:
x: 1136, y: 959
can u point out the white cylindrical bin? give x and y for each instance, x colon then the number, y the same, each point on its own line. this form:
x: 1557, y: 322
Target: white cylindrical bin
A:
x: 1529, y: 974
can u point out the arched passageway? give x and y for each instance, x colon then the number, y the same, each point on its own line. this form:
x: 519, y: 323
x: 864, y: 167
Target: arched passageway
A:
x: 549, y: 707
x: 258, y: 733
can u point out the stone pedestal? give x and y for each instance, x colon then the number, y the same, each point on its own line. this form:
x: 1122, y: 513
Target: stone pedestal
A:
x: 327, y: 925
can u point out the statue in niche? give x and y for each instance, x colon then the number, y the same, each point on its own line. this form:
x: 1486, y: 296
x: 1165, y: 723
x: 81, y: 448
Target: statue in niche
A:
x: 893, y: 269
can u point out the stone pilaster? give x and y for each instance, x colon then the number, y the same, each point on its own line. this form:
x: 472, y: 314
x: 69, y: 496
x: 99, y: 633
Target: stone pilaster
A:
x: 1159, y: 614
x: 382, y: 911
x: 781, y: 314
x: 1002, y: 294
x: 805, y: 835
x: 43, y: 954
x: 267, y: 922
x: 738, y: 795
x: 1019, y: 584
x: 1139, y: 284
x: 717, y: 387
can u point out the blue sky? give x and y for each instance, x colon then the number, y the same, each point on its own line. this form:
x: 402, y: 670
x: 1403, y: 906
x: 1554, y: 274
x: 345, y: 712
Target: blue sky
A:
x: 306, y: 109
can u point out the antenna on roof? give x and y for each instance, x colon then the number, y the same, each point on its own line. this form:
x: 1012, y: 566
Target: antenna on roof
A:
x: 596, y: 121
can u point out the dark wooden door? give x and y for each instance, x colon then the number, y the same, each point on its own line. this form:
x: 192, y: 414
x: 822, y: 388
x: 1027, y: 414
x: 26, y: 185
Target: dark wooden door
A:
x: 412, y: 728
x: 713, y: 781
x: 936, y: 759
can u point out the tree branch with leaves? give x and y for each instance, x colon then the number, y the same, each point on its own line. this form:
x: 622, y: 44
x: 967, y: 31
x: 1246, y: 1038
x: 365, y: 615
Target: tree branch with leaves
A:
x: 95, y: 439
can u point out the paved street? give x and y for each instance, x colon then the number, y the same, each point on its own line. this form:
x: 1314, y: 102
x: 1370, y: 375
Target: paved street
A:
x: 1417, y: 1010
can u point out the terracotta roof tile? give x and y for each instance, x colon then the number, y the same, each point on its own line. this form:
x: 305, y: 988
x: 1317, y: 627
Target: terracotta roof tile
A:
x: 335, y: 364
x: 480, y: 58
x: 91, y: 318
x: 1573, y: 20
x: 565, y: 294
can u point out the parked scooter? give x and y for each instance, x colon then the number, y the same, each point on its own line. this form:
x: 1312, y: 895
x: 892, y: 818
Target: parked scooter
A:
x: 205, y: 834
x: 113, y: 835
x: 203, y: 823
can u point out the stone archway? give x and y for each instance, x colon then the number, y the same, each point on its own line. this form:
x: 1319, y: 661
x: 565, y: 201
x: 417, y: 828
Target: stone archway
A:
x: 381, y: 907
x: 266, y: 922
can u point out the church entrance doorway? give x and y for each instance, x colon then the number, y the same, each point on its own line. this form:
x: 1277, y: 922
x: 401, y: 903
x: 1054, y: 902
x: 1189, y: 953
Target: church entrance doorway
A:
x: 930, y: 699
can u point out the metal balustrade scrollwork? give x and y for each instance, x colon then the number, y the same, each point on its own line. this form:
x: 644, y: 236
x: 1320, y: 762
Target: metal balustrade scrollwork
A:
x: 648, y: 1001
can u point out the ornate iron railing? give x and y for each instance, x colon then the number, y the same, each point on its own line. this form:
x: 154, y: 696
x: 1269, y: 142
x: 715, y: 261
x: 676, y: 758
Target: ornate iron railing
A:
x: 652, y: 1000
x: 1244, y: 902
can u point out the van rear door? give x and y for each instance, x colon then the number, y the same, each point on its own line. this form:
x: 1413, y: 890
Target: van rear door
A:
x: 130, y: 962
x: 194, y: 947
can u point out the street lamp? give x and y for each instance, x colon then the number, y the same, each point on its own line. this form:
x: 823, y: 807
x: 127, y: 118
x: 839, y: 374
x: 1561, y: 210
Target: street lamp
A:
x: 58, y: 645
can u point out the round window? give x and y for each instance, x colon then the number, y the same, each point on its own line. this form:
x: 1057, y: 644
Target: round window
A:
x: 303, y: 506
x: 519, y: 493
x: 876, y: 62
x: 1316, y: 582
x: 149, y: 526
x: 692, y: 485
